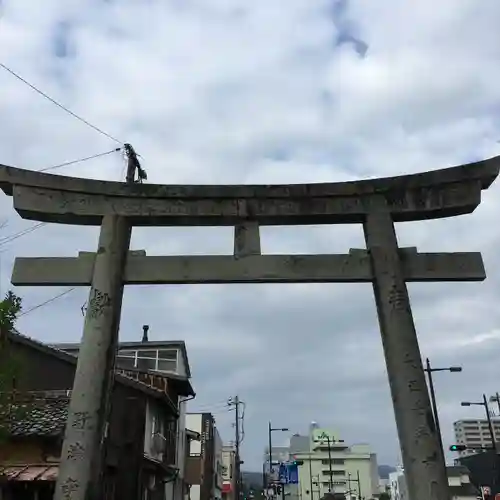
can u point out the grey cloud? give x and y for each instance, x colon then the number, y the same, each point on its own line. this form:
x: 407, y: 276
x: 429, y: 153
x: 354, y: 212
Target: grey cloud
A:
x: 235, y: 92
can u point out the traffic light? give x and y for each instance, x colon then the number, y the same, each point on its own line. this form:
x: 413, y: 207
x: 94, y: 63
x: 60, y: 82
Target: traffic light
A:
x: 298, y: 462
x: 458, y: 447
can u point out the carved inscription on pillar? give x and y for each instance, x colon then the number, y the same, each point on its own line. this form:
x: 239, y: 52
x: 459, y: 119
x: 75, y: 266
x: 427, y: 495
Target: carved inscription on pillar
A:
x: 81, y: 420
x: 76, y: 451
x: 69, y: 487
x: 98, y: 302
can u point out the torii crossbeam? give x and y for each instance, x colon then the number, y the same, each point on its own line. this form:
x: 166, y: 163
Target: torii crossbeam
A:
x: 376, y: 204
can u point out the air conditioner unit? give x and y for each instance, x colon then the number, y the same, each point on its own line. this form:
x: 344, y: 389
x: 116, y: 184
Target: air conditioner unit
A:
x: 158, y: 443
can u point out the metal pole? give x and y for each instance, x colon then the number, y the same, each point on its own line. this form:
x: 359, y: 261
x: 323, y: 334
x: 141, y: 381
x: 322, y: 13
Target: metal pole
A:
x: 434, y: 406
x: 264, y: 482
x: 237, y: 437
x: 330, y: 463
x: 359, y: 485
x: 270, y: 453
x: 490, y: 425
x: 311, y: 476
x: 424, y: 468
x: 349, y: 484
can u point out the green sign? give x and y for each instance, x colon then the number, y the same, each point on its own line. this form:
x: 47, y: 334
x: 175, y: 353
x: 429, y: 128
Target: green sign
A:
x: 324, y: 435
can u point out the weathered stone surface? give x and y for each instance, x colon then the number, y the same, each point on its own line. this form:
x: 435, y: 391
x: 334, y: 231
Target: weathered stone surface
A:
x: 247, y: 239
x: 89, y: 407
x: 422, y: 457
x: 348, y: 268
x: 438, y: 193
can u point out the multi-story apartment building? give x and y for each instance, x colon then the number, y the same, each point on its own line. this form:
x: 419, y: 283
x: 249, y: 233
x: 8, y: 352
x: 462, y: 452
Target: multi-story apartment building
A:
x: 475, y: 434
x: 328, y: 464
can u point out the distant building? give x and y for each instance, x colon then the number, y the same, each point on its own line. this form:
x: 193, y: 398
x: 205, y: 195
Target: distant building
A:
x: 228, y: 472
x: 461, y: 487
x: 205, y: 463
x: 397, y: 485
x: 475, y: 434
x: 329, y: 465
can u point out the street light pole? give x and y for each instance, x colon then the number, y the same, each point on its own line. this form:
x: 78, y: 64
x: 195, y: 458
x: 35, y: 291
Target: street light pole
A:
x: 490, y: 425
x: 311, y: 476
x: 496, y: 398
x: 330, y: 462
x: 429, y: 370
x: 272, y: 429
x: 270, y: 454
x: 484, y: 403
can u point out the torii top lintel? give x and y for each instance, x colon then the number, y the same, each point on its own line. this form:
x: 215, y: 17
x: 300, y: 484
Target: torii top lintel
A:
x: 70, y: 200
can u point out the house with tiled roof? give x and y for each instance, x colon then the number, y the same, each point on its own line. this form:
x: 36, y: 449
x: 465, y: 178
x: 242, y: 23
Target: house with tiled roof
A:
x: 142, y: 454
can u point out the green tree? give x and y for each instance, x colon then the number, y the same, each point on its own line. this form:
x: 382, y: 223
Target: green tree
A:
x: 10, y: 308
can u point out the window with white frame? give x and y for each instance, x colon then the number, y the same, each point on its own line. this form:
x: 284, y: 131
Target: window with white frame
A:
x: 162, y: 360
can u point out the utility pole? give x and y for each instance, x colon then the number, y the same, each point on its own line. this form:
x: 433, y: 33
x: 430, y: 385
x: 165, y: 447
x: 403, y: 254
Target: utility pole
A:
x: 236, y: 403
x: 359, y: 484
x: 82, y: 456
x: 328, y: 442
x: 270, y: 454
x: 311, y: 476
x: 357, y: 480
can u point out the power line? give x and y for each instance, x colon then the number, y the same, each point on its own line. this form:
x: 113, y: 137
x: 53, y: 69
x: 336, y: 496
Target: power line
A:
x: 24, y: 232
x: 19, y: 234
x: 64, y: 108
x: 52, y: 299
x: 98, y: 155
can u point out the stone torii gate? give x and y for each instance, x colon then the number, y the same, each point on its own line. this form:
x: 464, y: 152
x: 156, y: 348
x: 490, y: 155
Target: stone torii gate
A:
x: 376, y: 204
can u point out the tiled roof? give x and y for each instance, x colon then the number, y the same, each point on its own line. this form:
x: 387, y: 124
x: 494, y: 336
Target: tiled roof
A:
x: 32, y: 472
x: 15, y: 336
x: 44, y: 417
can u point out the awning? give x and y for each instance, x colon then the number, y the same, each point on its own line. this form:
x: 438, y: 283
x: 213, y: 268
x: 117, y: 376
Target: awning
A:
x: 227, y: 487
x: 38, y: 472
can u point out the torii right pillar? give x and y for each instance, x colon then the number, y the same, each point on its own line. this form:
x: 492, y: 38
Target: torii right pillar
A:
x: 414, y: 420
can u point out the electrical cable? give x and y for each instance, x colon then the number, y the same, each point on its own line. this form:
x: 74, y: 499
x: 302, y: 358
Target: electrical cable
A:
x: 211, y: 408
x: 98, y: 155
x: 19, y: 234
x: 15, y: 236
x: 64, y: 108
x: 48, y: 301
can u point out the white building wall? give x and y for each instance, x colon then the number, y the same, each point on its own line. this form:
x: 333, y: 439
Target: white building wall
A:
x: 475, y: 433
x: 193, y: 422
x: 353, y: 462
x: 194, y: 493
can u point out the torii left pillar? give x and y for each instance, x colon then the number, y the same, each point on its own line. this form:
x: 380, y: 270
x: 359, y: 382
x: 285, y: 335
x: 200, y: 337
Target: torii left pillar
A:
x: 82, y: 451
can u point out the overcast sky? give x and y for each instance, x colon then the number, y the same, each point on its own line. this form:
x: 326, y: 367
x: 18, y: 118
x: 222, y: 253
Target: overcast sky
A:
x: 232, y: 91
